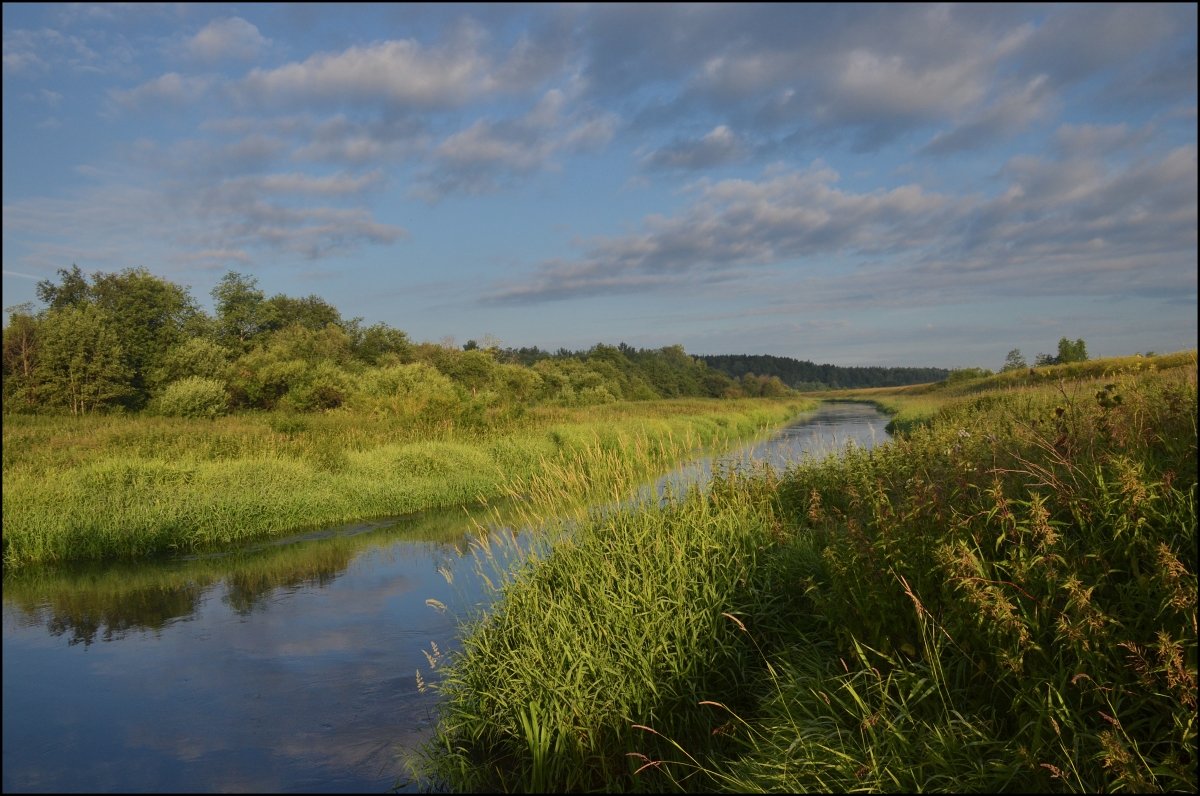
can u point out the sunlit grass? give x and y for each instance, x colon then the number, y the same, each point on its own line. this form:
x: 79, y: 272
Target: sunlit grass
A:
x: 1003, y: 598
x: 110, y: 487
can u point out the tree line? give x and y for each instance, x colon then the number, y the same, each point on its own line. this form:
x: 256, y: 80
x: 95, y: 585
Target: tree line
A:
x: 134, y: 342
x: 801, y: 374
x: 1068, y: 351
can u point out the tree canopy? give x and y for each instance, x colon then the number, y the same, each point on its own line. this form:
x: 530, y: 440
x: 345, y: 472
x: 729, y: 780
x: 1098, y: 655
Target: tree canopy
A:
x: 131, y: 341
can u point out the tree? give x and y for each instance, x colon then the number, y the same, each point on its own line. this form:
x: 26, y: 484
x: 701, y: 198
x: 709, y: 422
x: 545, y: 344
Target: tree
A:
x: 20, y: 357
x: 1014, y: 361
x: 195, y: 357
x: 1071, y: 351
x: 242, y: 311
x: 472, y: 368
x: 959, y: 375
x: 311, y: 312
x: 150, y: 316
x: 80, y: 359
x: 153, y: 315
x: 72, y: 289
x: 1042, y: 360
x: 377, y: 341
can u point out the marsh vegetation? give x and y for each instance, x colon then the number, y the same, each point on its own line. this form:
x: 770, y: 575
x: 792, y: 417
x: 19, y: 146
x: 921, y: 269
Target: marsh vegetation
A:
x: 1002, y: 598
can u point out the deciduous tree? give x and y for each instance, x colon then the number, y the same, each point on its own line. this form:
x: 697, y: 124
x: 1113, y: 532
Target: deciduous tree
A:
x: 1071, y: 351
x: 1014, y: 361
x: 81, y: 362
x: 242, y: 310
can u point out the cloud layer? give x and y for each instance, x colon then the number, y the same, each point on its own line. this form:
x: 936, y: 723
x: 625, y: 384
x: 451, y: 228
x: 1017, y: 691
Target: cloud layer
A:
x: 657, y: 150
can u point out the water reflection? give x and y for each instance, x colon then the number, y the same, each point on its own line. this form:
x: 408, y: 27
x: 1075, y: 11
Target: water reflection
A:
x: 91, y: 602
x: 825, y: 432
x: 286, y: 666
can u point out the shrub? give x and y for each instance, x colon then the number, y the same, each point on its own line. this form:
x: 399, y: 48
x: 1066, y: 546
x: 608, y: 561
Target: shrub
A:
x: 193, y: 397
x: 324, y: 386
x: 407, y: 391
x: 194, y: 357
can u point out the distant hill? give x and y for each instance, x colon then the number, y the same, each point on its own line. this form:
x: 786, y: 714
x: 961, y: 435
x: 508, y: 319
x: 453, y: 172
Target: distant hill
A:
x: 801, y: 374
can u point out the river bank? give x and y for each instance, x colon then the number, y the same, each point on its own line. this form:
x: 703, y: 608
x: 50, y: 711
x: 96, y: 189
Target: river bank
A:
x: 98, y: 488
x: 1003, y: 598
x: 285, y: 665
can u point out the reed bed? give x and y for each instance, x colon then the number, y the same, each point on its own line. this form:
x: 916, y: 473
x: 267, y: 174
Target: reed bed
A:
x: 127, y: 488
x: 1002, y: 599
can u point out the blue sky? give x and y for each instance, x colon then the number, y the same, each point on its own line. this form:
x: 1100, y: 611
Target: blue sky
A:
x: 881, y: 185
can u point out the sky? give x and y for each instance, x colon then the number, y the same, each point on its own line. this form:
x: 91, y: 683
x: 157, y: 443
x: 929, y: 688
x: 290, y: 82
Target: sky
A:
x: 897, y: 185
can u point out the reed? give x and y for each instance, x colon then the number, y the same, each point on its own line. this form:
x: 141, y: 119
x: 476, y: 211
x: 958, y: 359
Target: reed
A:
x: 96, y: 488
x: 1003, y: 598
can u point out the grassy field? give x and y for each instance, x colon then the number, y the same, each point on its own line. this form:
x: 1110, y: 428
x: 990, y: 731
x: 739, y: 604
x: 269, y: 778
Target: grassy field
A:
x: 115, y: 487
x: 1001, y: 599
x: 915, y: 404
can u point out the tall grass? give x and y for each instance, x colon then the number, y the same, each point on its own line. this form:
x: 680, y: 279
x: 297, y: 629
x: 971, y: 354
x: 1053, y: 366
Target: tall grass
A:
x: 916, y: 404
x: 1002, y: 599
x: 104, y: 488
x: 621, y: 620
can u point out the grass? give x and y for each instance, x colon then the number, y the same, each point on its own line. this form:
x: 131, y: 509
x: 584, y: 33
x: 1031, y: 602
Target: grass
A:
x: 93, y: 600
x: 99, y: 488
x: 916, y: 404
x: 1002, y: 598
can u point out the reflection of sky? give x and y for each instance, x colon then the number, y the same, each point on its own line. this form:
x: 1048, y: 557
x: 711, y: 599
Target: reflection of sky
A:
x: 309, y: 692
x: 315, y: 689
x: 826, y: 431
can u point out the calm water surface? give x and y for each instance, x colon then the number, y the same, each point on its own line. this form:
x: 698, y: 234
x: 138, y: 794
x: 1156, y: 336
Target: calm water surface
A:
x: 288, y: 666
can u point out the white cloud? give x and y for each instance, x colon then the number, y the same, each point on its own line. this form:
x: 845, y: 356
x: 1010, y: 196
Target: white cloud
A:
x: 214, y: 258
x: 169, y: 89
x: 232, y: 37
x: 332, y: 185
x: 1073, y: 140
x: 29, y: 51
x: 404, y: 73
x: 489, y: 154
x: 871, y: 84
x: 1009, y: 114
x: 735, y: 224
x: 1076, y: 226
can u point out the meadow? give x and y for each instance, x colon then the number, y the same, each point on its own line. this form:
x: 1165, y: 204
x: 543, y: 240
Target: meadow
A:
x: 1003, y: 598
x: 100, y: 487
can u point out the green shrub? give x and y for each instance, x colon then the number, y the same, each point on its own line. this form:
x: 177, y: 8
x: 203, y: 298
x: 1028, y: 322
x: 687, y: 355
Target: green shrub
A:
x: 406, y: 391
x: 194, y: 357
x: 324, y: 386
x: 193, y: 397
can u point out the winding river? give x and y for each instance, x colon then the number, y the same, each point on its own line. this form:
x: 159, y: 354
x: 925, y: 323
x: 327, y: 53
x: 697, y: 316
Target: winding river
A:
x: 288, y: 666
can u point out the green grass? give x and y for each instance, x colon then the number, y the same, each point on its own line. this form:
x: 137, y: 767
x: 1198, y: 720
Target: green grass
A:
x: 95, y: 488
x: 1003, y: 598
x: 915, y: 405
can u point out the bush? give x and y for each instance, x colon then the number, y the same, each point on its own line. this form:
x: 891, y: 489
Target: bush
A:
x: 966, y: 374
x: 193, y: 397
x: 194, y: 357
x: 324, y: 386
x: 407, y: 392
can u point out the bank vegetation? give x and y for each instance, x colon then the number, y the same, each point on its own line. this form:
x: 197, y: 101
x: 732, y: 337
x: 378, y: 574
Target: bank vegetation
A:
x: 1003, y: 598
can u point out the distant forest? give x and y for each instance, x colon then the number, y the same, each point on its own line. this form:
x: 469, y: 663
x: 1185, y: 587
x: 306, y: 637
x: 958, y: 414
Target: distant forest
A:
x: 800, y: 374
x: 132, y: 341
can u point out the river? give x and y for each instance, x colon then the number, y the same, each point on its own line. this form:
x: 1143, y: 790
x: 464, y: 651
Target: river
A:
x: 287, y: 666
